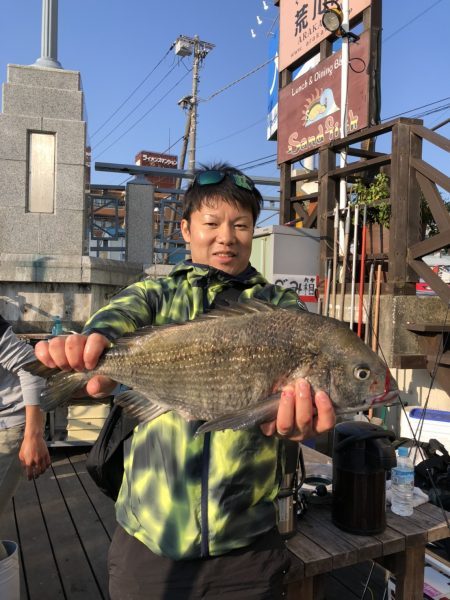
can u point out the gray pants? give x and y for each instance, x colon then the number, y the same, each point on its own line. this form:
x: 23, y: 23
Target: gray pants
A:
x: 10, y: 466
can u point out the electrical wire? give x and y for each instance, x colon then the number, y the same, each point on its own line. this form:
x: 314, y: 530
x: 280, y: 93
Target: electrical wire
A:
x: 406, y: 112
x: 127, y: 116
x: 433, y: 111
x: 249, y: 165
x: 131, y: 94
x: 391, y: 35
x: 233, y: 134
x: 142, y: 116
x: 254, y: 160
x: 226, y: 87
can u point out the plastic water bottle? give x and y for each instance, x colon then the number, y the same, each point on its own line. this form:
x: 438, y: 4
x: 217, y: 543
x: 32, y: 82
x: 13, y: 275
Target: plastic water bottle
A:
x: 402, y: 484
x: 57, y: 326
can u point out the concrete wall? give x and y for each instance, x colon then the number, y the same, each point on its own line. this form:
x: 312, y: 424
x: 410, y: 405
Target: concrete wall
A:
x: 35, y: 288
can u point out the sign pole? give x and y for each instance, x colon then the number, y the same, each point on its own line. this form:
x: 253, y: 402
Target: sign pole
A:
x: 343, y: 127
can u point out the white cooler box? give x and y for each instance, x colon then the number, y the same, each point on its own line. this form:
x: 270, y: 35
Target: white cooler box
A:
x: 436, y: 424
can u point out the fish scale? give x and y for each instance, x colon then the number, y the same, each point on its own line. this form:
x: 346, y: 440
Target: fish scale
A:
x: 224, y: 367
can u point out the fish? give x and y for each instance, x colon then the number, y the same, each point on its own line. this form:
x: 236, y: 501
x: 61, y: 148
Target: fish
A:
x: 228, y: 366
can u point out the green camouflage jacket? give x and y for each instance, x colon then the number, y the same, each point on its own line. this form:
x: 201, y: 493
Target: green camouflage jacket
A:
x: 186, y: 496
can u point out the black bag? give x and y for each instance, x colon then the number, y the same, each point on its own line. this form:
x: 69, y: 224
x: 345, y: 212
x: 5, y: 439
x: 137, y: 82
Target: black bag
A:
x: 105, y: 460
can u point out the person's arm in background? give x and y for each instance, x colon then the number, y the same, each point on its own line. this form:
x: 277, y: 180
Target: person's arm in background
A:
x: 14, y: 354
x: 33, y: 453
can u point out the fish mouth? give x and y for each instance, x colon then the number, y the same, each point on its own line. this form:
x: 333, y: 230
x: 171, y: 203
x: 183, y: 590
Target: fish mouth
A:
x: 384, y: 398
x: 389, y: 397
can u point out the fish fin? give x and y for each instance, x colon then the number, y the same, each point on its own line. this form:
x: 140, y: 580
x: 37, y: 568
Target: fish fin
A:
x: 139, y: 406
x: 60, y: 388
x: 223, y: 309
x: 35, y: 367
x: 244, y: 418
x: 231, y: 308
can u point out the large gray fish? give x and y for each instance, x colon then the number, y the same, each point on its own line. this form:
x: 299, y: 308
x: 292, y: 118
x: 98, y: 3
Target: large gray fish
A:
x: 228, y: 366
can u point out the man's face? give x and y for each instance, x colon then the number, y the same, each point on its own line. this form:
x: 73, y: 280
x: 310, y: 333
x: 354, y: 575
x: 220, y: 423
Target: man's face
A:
x: 220, y: 235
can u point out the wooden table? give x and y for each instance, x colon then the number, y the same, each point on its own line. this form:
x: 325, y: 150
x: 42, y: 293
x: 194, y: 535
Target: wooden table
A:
x: 320, y: 547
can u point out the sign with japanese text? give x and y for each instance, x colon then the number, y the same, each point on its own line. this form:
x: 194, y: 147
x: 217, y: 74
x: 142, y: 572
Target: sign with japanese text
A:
x: 301, y: 27
x: 304, y: 285
x: 309, y: 107
x: 147, y: 158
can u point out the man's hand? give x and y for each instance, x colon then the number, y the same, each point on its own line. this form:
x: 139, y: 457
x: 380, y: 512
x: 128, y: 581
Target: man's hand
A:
x: 79, y: 353
x: 301, y: 413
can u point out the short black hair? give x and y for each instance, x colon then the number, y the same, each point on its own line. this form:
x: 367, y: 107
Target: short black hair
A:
x: 196, y: 195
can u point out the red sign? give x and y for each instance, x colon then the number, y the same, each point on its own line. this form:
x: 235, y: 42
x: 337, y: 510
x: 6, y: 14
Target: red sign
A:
x: 309, y: 108
x: 301, y: 27
x: 146, y: 158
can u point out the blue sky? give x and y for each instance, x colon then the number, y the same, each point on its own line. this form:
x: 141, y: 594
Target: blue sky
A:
x: 116, y: 44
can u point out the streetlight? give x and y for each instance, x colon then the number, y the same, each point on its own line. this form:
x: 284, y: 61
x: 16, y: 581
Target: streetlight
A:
x: 332, y: 20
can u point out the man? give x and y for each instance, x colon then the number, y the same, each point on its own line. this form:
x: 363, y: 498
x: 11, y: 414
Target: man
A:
x: 197, y: 516
x: 21, y: 420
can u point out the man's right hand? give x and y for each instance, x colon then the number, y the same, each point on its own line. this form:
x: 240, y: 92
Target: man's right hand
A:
x: 79, y: 353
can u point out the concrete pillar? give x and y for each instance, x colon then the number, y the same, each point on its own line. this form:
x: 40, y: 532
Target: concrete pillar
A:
x: 139, y: 221
x: 47, y: 102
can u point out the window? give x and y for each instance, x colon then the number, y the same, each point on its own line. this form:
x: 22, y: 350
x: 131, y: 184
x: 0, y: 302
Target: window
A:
x: 41, y: 172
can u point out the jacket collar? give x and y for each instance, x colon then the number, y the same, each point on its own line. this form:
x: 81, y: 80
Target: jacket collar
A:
x: 195, y: 272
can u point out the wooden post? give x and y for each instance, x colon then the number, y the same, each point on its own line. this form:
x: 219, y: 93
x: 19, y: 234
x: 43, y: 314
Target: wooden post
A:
x: 326, y: 204
x: 372, y: 23
x: 404, y: 228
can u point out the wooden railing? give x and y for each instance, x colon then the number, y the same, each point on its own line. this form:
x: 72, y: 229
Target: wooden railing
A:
x: 411, y: 181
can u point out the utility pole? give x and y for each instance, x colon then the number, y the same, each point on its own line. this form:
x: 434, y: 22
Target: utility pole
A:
x: 187, y: 46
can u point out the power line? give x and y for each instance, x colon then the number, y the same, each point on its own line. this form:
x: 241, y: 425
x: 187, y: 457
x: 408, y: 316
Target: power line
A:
x: 249, y: 165
x: 405, y: 112
x: 144, y: 115
x: 131, y: 94
x: 154, y: 88
x: 411, y: 21
x: 226, y: 87
x: 433, y: 111
x: 233, y: 134
x: 254, y: 160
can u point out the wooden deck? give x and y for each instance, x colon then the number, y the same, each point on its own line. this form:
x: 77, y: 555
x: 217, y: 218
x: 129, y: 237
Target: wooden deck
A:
x: 64, y: 525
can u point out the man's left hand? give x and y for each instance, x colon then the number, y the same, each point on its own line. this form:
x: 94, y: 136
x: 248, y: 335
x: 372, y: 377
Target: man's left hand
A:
x: 302, y: 414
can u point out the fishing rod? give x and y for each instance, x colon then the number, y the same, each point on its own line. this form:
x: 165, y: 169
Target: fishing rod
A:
x: 362, y: 271
x: 376, y: 315
x: 355, y: 255
x: 335, y: 260
x: 344, y: 265
x: 327, y: 290
x: 369, y: 305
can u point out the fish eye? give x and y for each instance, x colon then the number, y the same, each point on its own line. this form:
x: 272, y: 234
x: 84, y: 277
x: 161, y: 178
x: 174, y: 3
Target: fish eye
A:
x: 361, y: 373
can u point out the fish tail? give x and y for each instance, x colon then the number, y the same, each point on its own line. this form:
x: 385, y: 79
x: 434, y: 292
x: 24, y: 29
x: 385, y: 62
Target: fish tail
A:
x: 35, y: 367
x: 61, y: 388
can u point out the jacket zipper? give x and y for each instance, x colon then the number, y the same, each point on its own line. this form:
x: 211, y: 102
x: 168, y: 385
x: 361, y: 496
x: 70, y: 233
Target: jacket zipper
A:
x: 204, y: 496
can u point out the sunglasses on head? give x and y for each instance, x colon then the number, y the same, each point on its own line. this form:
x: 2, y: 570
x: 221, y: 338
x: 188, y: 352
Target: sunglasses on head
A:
x: 215, y: 176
